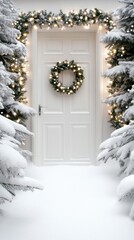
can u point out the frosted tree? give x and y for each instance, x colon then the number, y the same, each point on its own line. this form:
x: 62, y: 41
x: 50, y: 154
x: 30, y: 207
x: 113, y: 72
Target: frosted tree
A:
x: 13, y: 160
x: 12, y: 55
x: 120, y: 146
x: 12, y: 157
x: 120, y: 44
x: 121, y: 143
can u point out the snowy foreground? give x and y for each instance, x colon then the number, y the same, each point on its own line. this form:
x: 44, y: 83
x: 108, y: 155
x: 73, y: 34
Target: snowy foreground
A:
x: 77, y: 203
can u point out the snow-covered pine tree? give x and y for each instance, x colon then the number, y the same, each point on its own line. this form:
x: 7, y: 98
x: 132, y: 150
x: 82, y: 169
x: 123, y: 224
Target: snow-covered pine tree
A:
x: 13, y: 160
x: 120, y: 146
x: 12, y: 55
x: 120, y: 44
x: 12, y: 157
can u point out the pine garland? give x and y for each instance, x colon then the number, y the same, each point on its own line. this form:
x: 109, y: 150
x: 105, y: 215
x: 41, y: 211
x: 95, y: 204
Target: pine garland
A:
x: 41, y: 19
x: 50, y: 20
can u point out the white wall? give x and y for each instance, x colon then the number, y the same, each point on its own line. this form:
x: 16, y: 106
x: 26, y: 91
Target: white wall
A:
x: 65, y: 5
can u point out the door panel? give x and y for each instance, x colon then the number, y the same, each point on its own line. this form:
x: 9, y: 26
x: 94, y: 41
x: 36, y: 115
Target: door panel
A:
x: 80, y: 141
x: 52, y: 138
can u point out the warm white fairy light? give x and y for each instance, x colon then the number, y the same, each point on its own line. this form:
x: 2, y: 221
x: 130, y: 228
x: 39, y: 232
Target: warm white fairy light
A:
x: 83, y: 18
x: 100, y: 27
x: 35, y: 27
x: 87, y: 26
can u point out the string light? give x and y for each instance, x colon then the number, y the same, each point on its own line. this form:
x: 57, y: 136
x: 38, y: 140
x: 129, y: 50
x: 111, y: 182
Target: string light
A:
x: 41, y: 19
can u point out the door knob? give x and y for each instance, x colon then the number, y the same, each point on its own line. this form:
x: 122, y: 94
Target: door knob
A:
x: 39, y: 109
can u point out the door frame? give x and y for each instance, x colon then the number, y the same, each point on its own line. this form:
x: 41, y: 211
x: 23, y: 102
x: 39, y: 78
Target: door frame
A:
x: 100, y: 66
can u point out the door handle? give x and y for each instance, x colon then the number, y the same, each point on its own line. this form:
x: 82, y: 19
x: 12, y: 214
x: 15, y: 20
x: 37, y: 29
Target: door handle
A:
x: 39, y: 109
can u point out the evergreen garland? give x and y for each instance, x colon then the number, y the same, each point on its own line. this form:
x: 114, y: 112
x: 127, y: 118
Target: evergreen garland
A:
x: 50, y: 20
x: 24, y: 24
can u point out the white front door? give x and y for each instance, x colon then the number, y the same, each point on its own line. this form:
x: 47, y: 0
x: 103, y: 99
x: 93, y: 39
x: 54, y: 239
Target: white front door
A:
x: 66, y: 126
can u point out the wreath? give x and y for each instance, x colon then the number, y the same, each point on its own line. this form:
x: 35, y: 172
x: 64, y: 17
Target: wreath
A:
x: 62, y: 66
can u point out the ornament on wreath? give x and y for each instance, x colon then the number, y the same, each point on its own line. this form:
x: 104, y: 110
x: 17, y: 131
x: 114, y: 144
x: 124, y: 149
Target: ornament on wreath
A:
x: 62, y: 66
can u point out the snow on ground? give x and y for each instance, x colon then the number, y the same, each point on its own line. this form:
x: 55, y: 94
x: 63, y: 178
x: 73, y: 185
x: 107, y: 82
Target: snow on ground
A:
x: 77, y: 203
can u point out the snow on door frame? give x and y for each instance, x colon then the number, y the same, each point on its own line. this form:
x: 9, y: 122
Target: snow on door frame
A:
x: 100, y: 65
